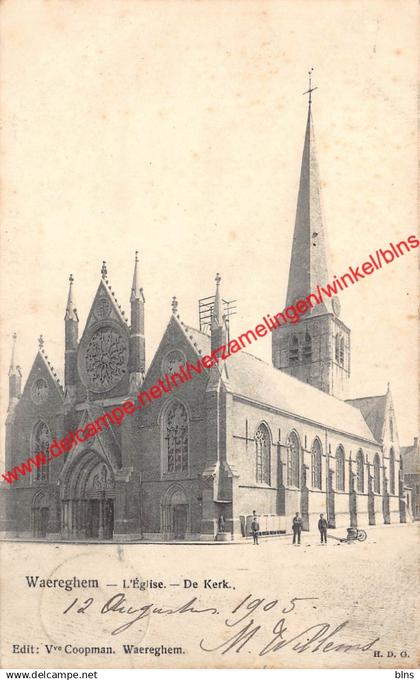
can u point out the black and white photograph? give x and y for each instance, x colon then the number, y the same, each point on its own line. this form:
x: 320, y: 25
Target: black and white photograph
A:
x: 209, y: 348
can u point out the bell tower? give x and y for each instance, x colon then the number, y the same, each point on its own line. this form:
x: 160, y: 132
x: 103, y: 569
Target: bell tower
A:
x: 317, y: 349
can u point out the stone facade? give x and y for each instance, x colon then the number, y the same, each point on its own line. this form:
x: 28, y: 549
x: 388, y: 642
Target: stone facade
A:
x: 239, y: 437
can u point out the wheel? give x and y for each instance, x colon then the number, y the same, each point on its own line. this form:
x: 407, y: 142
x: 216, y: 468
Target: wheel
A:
x: 361, y: 535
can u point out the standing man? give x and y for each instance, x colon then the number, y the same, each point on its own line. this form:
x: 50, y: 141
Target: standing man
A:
x: 323, y: 526
x: 255, y: 527
x: 297, y: 528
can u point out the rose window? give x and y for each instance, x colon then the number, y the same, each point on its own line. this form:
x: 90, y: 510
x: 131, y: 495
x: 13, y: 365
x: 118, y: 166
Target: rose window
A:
x: 106, y: 359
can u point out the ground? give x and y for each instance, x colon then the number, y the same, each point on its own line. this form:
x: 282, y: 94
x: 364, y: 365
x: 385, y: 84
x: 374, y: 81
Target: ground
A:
x: 307, y: 606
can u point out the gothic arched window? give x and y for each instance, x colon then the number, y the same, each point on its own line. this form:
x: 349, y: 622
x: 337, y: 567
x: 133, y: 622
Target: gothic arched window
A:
x: 293, y: 460
x: 377, y: 474
x: 262, y: 455
x: 294, y: 350
x: 391, y: 428
x: 175, y: 433
x: 316, y: 459
x: 307, y: 349
x: 341, y: 357
x: 41, y: 441
x: 360, y: 471
x: 392, y: 472
x: 340, y: 469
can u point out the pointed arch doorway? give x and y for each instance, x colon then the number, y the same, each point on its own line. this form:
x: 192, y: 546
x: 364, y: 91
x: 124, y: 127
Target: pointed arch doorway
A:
x: 88, y: 497
x: 40, y: 515
x: 175, y: 519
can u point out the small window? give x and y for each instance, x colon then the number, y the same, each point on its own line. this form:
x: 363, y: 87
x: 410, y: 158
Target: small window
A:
x: 294, y: 350
x: 341, y: 356
x: 307, y: 349
x: 337, y: 348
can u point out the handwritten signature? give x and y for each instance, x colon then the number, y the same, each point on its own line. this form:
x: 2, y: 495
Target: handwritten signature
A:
x: 248, y: 622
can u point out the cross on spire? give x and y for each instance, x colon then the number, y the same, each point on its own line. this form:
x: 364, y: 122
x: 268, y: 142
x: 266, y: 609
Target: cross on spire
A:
x: 310, y: 88
x: 41, y: 342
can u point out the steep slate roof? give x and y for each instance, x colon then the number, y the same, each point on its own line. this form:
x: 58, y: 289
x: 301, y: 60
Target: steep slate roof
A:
x: 373, y: 410
x: 251, y: 377
x: 308, y: 262
x: 198, y: 338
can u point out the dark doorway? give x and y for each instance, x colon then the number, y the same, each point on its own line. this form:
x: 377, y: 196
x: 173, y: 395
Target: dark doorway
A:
x: 40, y: 517
x: 93, y: 519
x: 108, y: 518
x: 180, y: 521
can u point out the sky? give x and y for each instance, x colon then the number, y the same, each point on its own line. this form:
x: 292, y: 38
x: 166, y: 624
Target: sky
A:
x: 176, y: 129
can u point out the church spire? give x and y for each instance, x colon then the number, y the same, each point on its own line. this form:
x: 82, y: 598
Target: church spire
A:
x: 15, y: 375
x: 308, y: 263
x: 137, y: 358
x: 218, y: 325
x: 71, y: 312
x: 317, y: 349
x: 217, y: 316
x: 71, y: 334
x: 135, y: 288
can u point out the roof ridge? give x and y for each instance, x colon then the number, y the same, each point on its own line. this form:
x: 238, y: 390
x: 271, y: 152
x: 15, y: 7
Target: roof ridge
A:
x: 373, y: 396
x: 51, y: 369
x: 105, y: 281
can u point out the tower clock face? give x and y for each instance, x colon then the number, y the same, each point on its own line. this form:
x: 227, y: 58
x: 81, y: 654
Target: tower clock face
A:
x: 39, y: 391
x: 336, y: 306
x: 104, y: 358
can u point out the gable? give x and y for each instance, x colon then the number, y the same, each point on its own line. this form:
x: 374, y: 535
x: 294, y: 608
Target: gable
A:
x: 42, y: 390
x: 104, y: 307
x: 105, y: 440
x: 42, y: 399
x: 104, y: 348
x: 373, y: 410
x: 179, y: 344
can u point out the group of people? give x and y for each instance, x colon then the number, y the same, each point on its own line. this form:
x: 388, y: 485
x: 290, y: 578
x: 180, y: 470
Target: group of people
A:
x: 296, y: 527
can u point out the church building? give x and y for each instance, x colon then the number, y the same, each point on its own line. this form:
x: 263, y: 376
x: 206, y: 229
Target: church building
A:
x: 278, y: 438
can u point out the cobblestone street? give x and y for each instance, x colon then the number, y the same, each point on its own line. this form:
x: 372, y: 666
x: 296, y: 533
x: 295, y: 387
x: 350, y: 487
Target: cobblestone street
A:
x: 369, y: 587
